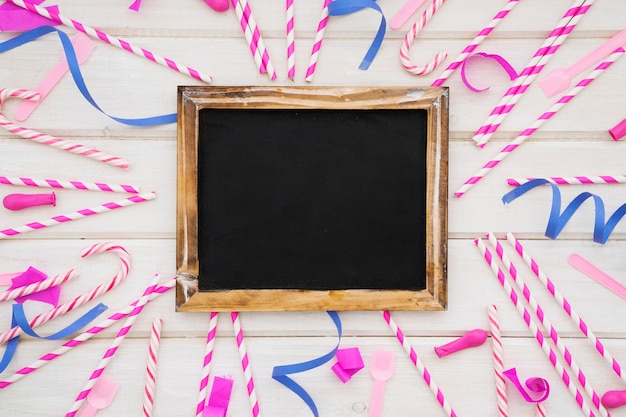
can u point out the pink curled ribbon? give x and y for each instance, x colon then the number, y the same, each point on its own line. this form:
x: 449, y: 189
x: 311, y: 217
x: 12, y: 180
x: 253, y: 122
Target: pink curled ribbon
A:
x: 558, y: 219
x: 219, y: 398
x: 14, y: 18
x: 508, y: 68
x: 537, y: 386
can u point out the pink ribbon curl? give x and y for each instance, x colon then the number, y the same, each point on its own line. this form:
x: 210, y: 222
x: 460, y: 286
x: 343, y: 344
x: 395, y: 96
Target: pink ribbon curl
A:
x: 537, y: 386
x: 508, y: 68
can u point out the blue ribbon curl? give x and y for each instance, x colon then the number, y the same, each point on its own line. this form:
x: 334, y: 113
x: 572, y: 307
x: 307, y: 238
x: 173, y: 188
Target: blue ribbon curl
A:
x: 74, y: 67
x: 558, y: 220
x: 280, y: 372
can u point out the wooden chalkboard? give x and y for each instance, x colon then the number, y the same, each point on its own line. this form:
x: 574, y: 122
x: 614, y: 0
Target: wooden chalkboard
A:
x: 301, y: 198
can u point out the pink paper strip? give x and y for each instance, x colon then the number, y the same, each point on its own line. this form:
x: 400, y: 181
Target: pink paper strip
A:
x: 16, y: 19
x: 219, y: 398
x: 349, y: 362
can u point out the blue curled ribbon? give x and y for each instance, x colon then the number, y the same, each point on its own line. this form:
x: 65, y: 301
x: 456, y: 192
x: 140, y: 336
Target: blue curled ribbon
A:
x: 74, y: 67
x: 558, y: 220
x: 344, y: 7
x: 18, y: 318
x: 280, y: 372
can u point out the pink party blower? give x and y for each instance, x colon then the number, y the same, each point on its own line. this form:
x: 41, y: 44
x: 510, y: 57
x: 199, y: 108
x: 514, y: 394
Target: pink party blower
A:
x: 21, y: 201
x: 470, y: 339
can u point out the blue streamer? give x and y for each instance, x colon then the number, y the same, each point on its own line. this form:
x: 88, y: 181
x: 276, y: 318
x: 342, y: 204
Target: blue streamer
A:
x: 74, y: 68
x: 22, y: 321
x: 558, y: 220
x: 11, y: 347
x: 280, y: 372
x: 344, y: 7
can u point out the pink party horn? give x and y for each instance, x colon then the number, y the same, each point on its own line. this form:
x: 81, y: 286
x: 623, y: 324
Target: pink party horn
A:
x: 470, y: 339
x: 614, y: 399
x: 21, y: 201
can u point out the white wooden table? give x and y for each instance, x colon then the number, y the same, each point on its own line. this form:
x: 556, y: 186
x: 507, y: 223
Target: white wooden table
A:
x: 574, y: 142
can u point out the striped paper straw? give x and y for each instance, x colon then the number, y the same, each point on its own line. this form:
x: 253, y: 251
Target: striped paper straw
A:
x: 69, y: 185
x: 471, y: 47
x: 38, y: 286
x: 153, y: 292
x: 245, y: 364
x: 541, y: 315
x: 566, y: 306
x: 498, y: 362
x: 120, y: 43
x: 520, y: 85
x: 206, y: 364
x: 291, y: 40
x: 151, y: 367
x: 418, y: 364
x: 541, y: 410
x: 83, y: 298
x: 573, y: 92
x: 575, y: 180
x: 80, y: 214
x: 411, y: 35
x: 111, y: 351
x: 532, y: 327
x: 253, y: 37
x: 55, y: 142
x: 317, y: 43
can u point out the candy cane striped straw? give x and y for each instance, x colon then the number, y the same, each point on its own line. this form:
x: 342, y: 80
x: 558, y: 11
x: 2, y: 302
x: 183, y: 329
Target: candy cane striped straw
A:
x: 38, y: 286
x: 469, y: 49
x: 84, y: 298
x: 540, y: 313
x: 151, y: 366
x: 566, y: 306
x: 576, y: 180
x: 206, y: 364
x: 253, y: 37
x: 412, y: 35
x: 541, y: 410
x: 120, y: 43
x: 69, y: 185
x: 573, y: 92
x: 80, y: 214
x: 418, y: 364
x: 111, y: 351
x: 245, y: 363
x: 317, y: 43
x: 291, y: 40
x: 55, y: 142
x: 520, y: 85
x: 152, y: 291
x: 532, y: 327
x: 498, y: 362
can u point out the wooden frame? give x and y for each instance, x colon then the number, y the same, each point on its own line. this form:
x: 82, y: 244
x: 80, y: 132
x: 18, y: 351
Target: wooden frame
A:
x: 191, y: 100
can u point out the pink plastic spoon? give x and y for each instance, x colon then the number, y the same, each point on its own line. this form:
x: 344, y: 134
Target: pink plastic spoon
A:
x: 100, y: 396
x: 381, y: 369
x: 559, y: 79
x: 597, y: 274
x: 405, y: 13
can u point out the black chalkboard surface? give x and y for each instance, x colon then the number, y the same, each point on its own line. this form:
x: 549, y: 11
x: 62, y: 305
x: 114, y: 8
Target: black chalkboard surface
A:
x: 308, y: 198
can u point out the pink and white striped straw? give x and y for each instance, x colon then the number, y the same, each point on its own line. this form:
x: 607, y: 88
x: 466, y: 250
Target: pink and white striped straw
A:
x: 38, y: 286
x: 117, y: 42
x: 245, y: 364
x: 543, y: 318
x: 573, y: 92
x: 566, y: 306
x: 411, y: 35
x: 575, y: 180
x: 498, y: 361
x: 153, y: 292
x: 111, y: 351
x: 45, y: 139
x: 69, y: 185
x: 206, y: 363
x: 84, y: 298
x: 434, y: 388
x: 77, y: 215
x: 521, y: 84
x: 471, y: 47
x: 317, y: 43
x: 253, y: 37
x: 540, y: 410
x: 151, y: 367
x: 536, y: 332
x: 291, y: 39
